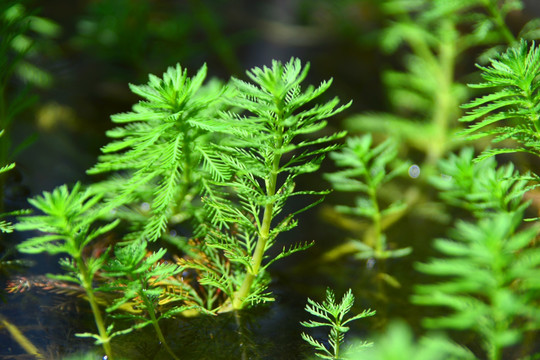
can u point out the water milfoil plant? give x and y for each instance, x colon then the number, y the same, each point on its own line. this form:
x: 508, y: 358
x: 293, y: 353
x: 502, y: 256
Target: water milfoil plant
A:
x: 333, y: 315
x: 273, y: 138
x: 160, y: 154
x: 433, y: 38
x: 365, y: 168
x: 142, y: 279
x: 511, y: 108
x: 490, y: 282
x: 67, y: 225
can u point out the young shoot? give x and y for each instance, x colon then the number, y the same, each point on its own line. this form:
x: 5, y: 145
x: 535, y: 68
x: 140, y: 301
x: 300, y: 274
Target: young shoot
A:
x: 511, y: 108
x: 365, y: 169
x: 67, y: 226
x: 332, y: 314
x: 489, y: 281
x: 275, y: 138
x: 480, y: 186
x: 158, y: 150
x: 141, y: 277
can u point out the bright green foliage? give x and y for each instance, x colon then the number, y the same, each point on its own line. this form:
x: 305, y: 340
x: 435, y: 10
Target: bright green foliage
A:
x: 398, y: 343
x: 366, y: 169
x: 426, y: 97
x: 67, y: 226
x: 333, y: 314
x: 160, y: 146
x: 66, y: 222
x: 141, y: 279
x: 510, y: 111
x: 489, y: 280
x: 264, y: 154
x: 481, y: 187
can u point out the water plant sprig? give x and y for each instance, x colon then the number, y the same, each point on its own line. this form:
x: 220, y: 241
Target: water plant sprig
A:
x: 490, y: 281
x: 159, y: 148
x: 332, y: 314
x: 511, y: 108
x: 262, y: 152
x: 140, y: 277
x: 365, y: 169
x: 435, y: 36
x: 68, y: 226
x: 482, y: 187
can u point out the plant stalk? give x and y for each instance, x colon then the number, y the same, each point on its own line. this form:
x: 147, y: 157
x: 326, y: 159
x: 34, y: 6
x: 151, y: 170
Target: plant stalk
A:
x: 152, y: 313
x: 87, y: 284
x: 499, y: 21
x: 160, y: 334
x: 377, y: 232
x: 19, y: 337
x: 444, y: 100
x: 258, y: 254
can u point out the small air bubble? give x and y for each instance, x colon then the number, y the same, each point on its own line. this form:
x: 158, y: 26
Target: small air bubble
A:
x: 105, y: 357
x: 145, y: 206
x: 414, y: 171
x: 173, y: 233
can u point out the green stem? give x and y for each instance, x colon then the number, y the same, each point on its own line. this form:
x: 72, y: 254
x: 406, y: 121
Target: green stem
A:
x: 493, y: 10
x: 87, y: 284
x: 336, y: 349
x: 260, y: 248
x: 258, y: 254
x: 152, y: 313
x: 444, y: 101
x: 160, y: 336
x: 376, y: 218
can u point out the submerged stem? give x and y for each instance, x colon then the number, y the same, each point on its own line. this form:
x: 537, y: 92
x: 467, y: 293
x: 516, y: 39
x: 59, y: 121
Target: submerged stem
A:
x: 87, y: 284
x: 152, y: 313
x: 160, y: 334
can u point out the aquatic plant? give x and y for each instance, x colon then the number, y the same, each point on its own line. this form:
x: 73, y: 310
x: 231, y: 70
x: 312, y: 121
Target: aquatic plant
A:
x: 490, y: 273
x: 67, y: 225
x: 260, y: 158
x: 510, y: 110
x: 141, y: 278
x: 160, y: 155
x: 332, y: 314
x: 433, y: 37
x: 366, y: 168
x: 491, y: 263
x: 482, y: 187
x: 245, y: 178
